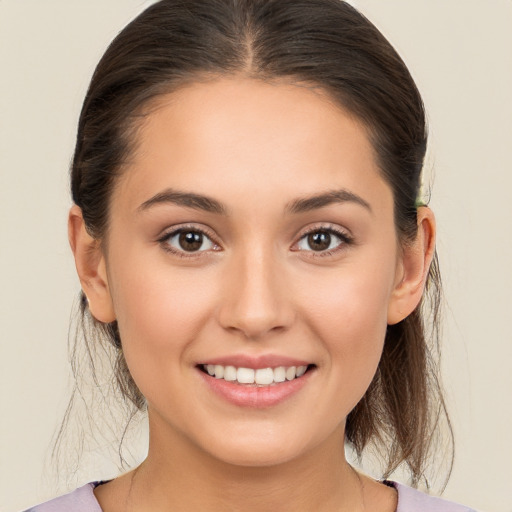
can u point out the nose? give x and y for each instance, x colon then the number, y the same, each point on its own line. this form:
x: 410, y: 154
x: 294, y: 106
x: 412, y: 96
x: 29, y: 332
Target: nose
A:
x: 256, y: 300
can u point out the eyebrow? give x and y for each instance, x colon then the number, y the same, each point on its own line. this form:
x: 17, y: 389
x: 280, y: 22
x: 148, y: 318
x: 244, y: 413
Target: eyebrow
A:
x: 321, y: 200
x: 208, y: 204
x: 188, y: 199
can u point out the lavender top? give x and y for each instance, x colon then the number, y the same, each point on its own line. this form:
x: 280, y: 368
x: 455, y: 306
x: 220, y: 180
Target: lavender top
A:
x: 409, y: 500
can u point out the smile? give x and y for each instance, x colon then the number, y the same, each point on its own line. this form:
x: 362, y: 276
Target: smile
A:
x: 255, y: 377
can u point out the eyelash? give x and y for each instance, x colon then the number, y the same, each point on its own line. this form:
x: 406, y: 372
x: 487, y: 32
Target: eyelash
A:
x: 344, y: 237
x: 345, y: 240
x: 166, y: 237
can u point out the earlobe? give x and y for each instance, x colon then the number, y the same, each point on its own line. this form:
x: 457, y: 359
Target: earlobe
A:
x: 415, y: 264
x: 91, y: 267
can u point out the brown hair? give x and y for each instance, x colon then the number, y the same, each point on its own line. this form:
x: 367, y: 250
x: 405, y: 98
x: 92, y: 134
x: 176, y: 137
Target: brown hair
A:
x: 325, y: 43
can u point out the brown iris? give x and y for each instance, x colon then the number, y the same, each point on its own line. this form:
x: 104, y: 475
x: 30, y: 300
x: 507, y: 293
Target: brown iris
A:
x: 319, y: 240
x: 190, y: 240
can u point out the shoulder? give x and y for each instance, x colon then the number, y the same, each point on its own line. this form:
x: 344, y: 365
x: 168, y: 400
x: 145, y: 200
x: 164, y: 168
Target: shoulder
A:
x: 412, y: 500
x: 80, y: 500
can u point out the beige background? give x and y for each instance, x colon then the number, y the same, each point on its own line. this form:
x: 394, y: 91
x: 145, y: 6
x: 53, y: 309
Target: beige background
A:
x: 460, y: 52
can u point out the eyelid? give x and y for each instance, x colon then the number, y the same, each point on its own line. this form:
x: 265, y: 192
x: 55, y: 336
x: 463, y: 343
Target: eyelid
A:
x: 179, y: 228
x: 342, y: 233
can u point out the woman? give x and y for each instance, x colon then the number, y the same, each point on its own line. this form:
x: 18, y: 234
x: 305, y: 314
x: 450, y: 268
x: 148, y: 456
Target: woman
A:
x: 249, y: 236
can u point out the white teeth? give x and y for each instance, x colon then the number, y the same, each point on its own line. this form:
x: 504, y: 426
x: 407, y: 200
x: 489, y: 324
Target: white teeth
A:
x: 280, y: 374
x: 230, y: 373
x: 245, y: 375
x: 260, y: 377
x: 301, y: 370
x: 291, y: 373
x: 219, y: 371
x: 264, y: 376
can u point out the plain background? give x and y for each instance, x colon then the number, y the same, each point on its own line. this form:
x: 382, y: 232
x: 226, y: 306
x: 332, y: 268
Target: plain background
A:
x: 460, y: 53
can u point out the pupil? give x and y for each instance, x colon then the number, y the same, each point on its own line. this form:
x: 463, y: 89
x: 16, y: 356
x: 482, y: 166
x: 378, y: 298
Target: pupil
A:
x: 191, y: 241
x: 319, y: 241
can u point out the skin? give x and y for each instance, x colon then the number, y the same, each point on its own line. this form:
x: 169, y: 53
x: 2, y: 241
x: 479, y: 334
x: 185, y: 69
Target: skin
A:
x: 257, y: 288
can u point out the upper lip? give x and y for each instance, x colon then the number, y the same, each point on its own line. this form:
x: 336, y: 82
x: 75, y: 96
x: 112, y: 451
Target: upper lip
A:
x: 255, y: 362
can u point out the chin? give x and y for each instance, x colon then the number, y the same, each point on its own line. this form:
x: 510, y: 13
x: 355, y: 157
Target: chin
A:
x: 261, y: 449
x: 256, y: 456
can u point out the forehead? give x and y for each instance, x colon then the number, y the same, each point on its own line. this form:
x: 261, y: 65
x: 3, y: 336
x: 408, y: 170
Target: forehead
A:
x: 252, y: 137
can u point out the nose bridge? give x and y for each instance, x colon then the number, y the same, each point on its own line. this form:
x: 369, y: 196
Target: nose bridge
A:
x: 255, y: 298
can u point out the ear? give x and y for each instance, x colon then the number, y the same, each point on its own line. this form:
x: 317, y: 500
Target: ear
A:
x: 91, y: 267
x: 413, y: 268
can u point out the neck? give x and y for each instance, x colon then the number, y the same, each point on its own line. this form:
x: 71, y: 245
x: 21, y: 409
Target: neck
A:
x: 180, y: 476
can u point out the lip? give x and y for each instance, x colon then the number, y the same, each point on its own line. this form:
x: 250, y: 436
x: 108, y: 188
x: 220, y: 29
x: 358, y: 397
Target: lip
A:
x: 256, y: 397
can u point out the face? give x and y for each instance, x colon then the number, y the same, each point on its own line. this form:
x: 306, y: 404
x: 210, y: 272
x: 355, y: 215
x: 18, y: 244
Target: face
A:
x: 251, y: 238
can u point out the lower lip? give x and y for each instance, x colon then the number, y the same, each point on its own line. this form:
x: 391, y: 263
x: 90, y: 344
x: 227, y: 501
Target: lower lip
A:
x: 257, y: 397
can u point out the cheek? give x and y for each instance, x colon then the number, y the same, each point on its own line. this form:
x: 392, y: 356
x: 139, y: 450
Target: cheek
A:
x: 159, y: 312
x: 357, y: 320
x: 160, y: 316
x: 353, y: 299
x: 348, y: 312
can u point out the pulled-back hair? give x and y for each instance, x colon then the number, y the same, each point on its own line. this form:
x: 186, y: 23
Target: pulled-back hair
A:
x: 322, y: 43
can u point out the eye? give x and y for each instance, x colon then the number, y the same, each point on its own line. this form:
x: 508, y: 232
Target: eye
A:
x: 188, y: 240
x: 322, y: 240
